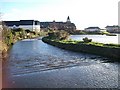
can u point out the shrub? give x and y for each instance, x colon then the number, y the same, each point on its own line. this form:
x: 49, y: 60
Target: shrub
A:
x: 27, y: 30
x: 60, y: 35
x: 86, y: 40
x: 17, y: 29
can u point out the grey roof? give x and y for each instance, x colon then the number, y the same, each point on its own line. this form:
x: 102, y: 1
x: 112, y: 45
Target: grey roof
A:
x: 68, y: 18
x: 21, y: 22
x: 45, y: 24
x: 26, y: 22
x: 31, y: 22
x: 93, y: 28
x: 11, y: 23
x: 112, y: 26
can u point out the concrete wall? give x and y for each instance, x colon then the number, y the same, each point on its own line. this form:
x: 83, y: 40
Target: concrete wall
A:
x: 30, y: 27
x: 92, y: 49
x: 36, y: 28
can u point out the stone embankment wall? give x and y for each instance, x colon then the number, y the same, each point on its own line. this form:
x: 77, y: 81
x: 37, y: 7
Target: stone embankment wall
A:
x: 92, y: 49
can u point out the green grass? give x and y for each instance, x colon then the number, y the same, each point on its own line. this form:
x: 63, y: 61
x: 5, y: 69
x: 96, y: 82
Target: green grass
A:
x: 82, y: 42
x: 90, y: 43
x: 107, y: 50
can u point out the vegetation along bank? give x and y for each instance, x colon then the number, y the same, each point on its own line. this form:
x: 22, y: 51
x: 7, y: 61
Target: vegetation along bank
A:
x: 10, y: 36
x: 85, y: 46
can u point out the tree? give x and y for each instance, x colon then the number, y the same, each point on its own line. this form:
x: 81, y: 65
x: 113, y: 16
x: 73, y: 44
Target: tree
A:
x: 60, y: 35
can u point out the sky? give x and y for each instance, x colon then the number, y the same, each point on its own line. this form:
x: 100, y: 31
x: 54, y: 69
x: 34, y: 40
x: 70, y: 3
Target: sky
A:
x: 84, y: 13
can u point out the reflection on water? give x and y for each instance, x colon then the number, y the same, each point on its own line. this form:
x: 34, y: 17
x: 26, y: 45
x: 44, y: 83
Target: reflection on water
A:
x: 31, y: 56
x: 98, y: 38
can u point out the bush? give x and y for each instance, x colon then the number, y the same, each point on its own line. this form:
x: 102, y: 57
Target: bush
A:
x: 27, y: 30
x: 17, y: 29
x: 86, y: 40
x: 7, y: 36
x: 60, y: 35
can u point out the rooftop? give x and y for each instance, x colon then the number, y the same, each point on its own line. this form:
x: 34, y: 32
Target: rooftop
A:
x: 112, y: 26
x: 21, y: 22
x: 93, y: 28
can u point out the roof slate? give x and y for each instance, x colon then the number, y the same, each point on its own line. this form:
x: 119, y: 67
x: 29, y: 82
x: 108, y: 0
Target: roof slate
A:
x: 93, y: 28
x: 21, y: 22
x: 12, y: 23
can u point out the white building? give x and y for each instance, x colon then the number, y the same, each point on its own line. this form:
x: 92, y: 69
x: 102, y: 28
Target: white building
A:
x: 92, y: 29
x: 32, y: 25
x: 102, y: 30
x: 113, y: 29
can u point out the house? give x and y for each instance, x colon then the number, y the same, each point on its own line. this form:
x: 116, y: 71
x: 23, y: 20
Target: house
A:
x: 32, y: 25
x: 92, y: 29
x: 11, y: 24
x: 103, y: 30
x: 113, y: 29
x: 67, y: 26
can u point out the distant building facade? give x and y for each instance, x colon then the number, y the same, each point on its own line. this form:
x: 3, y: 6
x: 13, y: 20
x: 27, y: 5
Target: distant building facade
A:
x: 103, y: 30
x: 67, y: 26
x: 92, y: 29
x: 113, y: 29
x: 32, y: 25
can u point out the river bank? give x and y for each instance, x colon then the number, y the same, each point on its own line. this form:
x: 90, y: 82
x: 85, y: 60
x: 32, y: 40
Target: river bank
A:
x: 107, y: 50
x: 33, y: 60
x: 11, y: 36
x: 97, y: 38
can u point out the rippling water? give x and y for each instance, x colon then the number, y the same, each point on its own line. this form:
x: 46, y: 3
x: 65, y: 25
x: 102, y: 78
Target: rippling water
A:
x: 28, y: 58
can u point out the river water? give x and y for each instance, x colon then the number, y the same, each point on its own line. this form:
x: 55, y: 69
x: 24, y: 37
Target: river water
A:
x: 35, y: 64
x: 99, y: 38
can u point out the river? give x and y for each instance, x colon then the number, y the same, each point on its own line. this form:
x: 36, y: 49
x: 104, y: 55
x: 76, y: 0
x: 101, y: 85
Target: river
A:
x: 98, y: 38
x: 35, y: 64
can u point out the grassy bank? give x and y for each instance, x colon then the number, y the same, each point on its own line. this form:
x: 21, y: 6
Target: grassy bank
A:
x: 93, y: 33
x: 106, y: 50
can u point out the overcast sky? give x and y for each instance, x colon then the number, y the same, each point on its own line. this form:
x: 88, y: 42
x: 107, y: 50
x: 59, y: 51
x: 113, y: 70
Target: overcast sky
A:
x: 84, y: 13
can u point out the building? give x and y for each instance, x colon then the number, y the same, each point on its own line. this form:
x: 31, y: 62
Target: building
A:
x: 103, y: 30
x: 68, y: 20
x: 113, y: 29
x: 32, y: 25
x: 67, y: 26
x: 92, y: 29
